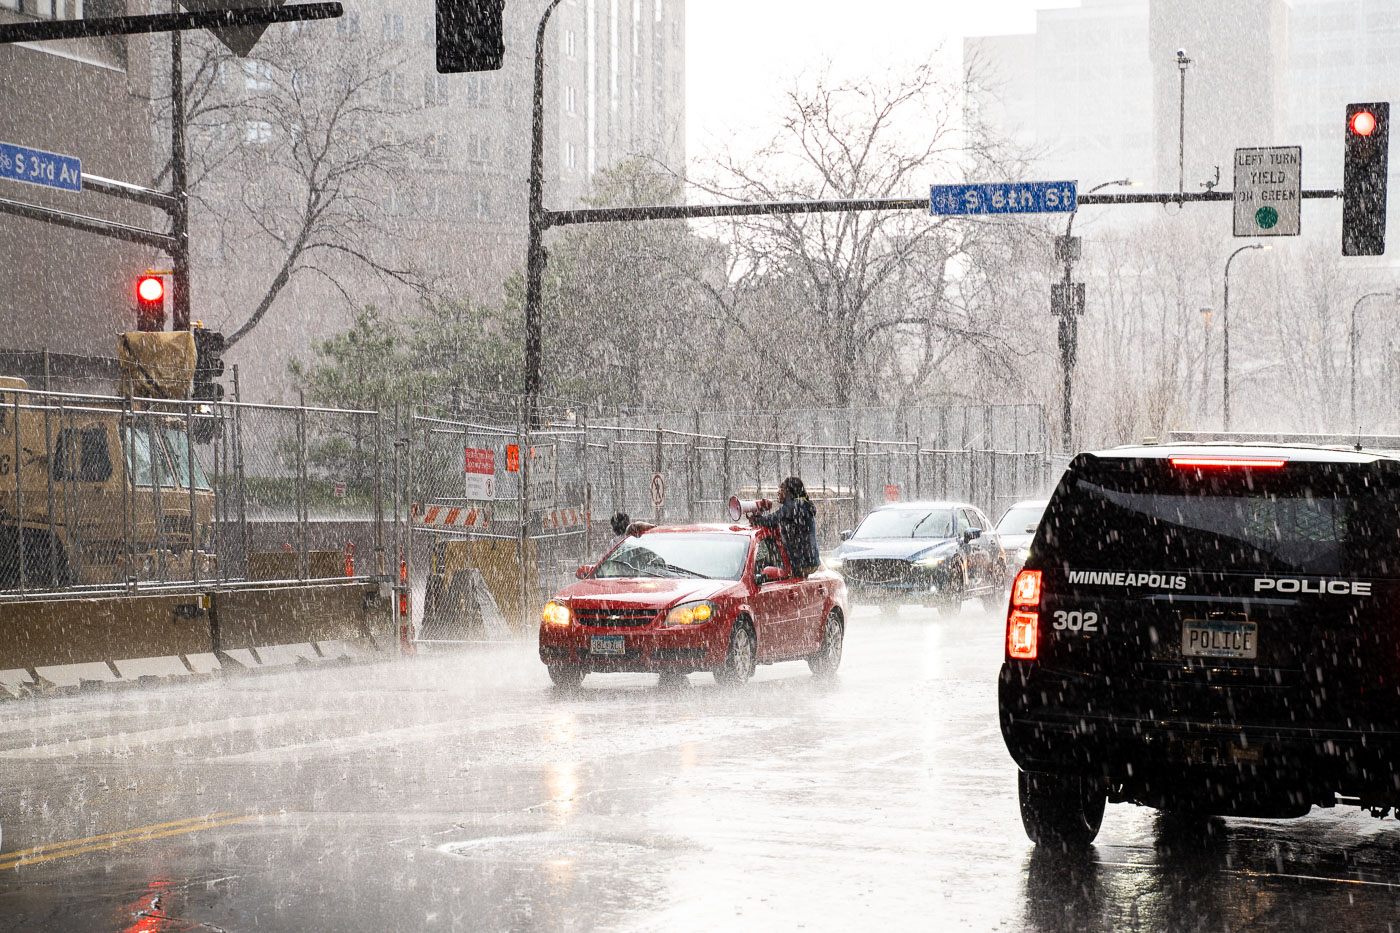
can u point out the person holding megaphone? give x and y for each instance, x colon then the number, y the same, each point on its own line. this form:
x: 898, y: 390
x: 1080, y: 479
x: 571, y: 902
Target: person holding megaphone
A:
x: 796, y: 521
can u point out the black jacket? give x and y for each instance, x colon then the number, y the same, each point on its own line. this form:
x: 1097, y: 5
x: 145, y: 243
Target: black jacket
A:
x: 796, y: 521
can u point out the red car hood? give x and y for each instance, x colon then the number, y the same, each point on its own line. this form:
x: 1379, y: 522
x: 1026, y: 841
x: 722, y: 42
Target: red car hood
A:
x: 640, y: 592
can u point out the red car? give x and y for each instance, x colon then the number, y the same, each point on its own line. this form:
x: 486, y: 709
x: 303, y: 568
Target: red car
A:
x: 673, y: 600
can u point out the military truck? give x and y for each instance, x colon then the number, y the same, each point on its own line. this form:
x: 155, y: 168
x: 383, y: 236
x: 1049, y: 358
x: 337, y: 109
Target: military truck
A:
x: 104, y: 490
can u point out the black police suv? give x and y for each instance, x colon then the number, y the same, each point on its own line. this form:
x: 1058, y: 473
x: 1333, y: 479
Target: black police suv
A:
x: 1207, y: 629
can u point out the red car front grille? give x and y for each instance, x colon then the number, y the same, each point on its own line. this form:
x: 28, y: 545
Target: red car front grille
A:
x: 614, y: 618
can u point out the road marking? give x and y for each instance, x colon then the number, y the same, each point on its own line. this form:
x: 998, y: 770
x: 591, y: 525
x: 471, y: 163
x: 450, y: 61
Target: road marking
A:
x: 51, y: 851
x: 198, y: 730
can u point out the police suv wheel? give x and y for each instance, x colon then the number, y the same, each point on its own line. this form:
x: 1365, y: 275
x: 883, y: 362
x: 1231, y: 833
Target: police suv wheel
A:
x: 1063, y: 810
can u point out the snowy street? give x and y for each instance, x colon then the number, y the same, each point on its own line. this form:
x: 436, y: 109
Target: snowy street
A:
x: 463, y: 792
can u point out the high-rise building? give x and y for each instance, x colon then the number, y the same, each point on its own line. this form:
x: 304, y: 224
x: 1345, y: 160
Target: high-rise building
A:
x: 614, y: 88
x: 66, y: 291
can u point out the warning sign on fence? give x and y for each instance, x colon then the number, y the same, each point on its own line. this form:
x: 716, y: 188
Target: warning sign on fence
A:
x: 481, y: 473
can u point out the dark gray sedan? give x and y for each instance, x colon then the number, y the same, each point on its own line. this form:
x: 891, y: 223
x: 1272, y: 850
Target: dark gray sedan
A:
x: 934, y: 553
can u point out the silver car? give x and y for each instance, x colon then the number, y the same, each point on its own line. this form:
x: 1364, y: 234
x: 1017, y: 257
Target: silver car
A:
x: 1016, y: 528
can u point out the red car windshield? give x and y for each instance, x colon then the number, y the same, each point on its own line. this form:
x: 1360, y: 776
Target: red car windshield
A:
x: 687, y: 554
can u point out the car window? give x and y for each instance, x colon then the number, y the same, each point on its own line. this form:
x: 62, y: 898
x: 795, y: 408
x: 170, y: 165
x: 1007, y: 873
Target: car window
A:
x: 969, y: 521
x: 1307, y: 518
x: 678, y: 554
x: 1017, y: 520
x: 906, y: 523
x: 768, y: 556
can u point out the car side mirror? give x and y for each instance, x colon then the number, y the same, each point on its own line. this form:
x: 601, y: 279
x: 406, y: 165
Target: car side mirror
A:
x: 586, y: 570
x: 972, y: 534
x: 846, y: 535
x: 768, y: 575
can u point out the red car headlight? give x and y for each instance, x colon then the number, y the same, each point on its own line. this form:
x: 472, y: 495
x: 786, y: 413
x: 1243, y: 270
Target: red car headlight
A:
x: 555, y: 614
x: 694, y: 613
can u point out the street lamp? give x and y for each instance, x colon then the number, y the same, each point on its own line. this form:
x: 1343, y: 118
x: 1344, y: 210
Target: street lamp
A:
x: 1069, y: 322
x: 1351, y: 342
x: 1225, y: 327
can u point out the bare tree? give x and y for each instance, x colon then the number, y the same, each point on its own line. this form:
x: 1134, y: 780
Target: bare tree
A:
x: 297, y: 158
x: 862, y: 303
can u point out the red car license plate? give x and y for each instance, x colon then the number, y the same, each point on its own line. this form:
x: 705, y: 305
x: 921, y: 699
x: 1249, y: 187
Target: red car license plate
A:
x: 608, y: 645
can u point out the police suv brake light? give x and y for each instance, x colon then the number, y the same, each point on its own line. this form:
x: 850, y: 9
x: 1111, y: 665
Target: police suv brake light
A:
x: 1225, y: 463
x: 1023, y: 621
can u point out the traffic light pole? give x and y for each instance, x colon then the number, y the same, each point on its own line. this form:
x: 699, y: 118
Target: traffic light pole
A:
x: 179, y: 185
x: 535, y: 255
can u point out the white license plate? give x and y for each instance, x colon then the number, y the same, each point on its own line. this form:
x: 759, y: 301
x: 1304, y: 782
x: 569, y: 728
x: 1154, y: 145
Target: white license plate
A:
x: 1202, y: 638
x: 607, y: 644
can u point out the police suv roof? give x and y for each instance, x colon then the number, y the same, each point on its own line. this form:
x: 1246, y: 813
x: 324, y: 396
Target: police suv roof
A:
x: 1304, y: 453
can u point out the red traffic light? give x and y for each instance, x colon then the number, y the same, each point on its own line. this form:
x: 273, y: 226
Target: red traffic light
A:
x: 1363, y: 123
x: 150, y: 288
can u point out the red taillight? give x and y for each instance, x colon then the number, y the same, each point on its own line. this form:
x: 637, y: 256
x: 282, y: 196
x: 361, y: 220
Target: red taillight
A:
x: 1026, y: 590
x: 1021, y: 629
x: 1023, y: 622
x: 1225, y: 462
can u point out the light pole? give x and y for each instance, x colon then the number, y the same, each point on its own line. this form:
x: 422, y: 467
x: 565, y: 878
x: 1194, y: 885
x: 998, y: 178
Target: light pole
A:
x: 1351, y: 343
x: 1225, y: 327
x: 534, y: 251
x: 1069, y: 320
x: 1182, y: 63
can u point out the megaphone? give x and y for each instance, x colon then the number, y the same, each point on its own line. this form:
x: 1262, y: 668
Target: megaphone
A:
x: 738, y: 508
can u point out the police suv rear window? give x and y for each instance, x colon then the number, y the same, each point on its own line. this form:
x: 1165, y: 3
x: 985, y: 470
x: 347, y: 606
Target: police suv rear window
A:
x: 1308, y: 517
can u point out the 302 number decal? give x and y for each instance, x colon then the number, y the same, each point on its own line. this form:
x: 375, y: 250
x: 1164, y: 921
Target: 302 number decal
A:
x: 1076, y: 621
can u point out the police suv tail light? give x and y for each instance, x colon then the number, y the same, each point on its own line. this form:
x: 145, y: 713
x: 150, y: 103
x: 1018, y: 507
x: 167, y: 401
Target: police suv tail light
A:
x: 1023, y: 619
x: 1225, y: 463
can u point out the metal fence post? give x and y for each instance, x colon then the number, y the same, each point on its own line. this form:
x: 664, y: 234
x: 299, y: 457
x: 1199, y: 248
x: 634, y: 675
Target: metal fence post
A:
x: 157, y: 460
x: 300, y: 486
x: 189, y: 481
x: 19, y: 497
x: 728, y: 470
x: 48, y: 460
x: 242, y: 494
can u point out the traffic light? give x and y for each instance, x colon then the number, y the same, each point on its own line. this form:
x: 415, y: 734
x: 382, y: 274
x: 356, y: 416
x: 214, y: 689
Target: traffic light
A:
x: 150, y: 303
x: 1363, y: 179
x: 470, y: 35
x: 208, y: 365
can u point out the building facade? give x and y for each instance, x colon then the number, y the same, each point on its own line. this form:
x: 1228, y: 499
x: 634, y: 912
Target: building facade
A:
x: 66, y: 291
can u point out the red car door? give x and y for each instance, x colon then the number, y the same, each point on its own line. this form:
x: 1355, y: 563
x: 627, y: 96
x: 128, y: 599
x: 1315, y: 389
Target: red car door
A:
x: 776, y: 602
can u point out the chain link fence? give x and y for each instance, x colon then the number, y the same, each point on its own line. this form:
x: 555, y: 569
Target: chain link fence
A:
x: 111, y: 494
x: 475, y: 521
x: 501, y: 517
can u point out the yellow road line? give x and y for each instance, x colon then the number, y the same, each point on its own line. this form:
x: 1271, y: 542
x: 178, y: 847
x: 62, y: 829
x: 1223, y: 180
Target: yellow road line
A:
x: 48, y: 853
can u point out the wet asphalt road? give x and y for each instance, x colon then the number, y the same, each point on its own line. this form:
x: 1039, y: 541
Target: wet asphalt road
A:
x: 462, y: 792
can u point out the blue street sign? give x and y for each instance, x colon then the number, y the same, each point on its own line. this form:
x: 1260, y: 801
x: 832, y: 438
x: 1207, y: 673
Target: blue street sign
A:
x: 36, y: 167
x: 1012, y: 197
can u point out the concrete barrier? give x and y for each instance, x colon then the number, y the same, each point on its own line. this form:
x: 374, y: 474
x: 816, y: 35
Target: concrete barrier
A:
x: 297, y: 615
x: 67, y: 642
x: 56, y: 632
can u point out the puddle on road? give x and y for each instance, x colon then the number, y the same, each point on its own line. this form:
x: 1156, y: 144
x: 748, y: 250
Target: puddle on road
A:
x: 540, y: 847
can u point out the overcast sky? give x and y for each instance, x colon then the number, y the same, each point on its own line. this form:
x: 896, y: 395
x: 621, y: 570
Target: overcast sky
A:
x: 738, y: 52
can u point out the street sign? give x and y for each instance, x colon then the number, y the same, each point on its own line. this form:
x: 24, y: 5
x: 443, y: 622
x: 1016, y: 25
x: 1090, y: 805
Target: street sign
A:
x: 891, y: 492
x: 658, y: 490
x: 37, y: 167
x: 1268, y: 191
x: 480, y: 473
x: 1012, y: 197
x: 238, y: 39
x: 339, y: 490
x: 1066, y: 299
x: 513, y: 458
